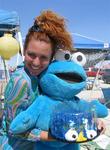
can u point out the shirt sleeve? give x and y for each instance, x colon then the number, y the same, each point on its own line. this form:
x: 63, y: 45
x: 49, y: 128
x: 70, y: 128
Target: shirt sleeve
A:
x: 18, y: 97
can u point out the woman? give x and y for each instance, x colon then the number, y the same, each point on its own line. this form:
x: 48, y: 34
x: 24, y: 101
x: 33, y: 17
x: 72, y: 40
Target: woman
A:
x: 47, y: 34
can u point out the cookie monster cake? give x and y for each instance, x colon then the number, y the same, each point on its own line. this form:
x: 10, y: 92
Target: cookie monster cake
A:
x: 73, y: 126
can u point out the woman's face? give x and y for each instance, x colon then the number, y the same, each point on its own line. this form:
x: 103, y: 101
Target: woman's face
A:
x: 37, y: 56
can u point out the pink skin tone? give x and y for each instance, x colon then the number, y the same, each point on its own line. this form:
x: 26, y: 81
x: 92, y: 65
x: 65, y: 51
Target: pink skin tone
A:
x: 37, y: 56
x: 101, y: 125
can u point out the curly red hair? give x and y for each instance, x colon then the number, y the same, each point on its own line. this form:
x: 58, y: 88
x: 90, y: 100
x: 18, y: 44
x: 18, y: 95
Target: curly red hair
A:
x: 52, y: 29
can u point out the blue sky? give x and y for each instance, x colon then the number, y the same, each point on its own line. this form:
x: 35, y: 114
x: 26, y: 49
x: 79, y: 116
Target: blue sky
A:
x: 90, y: 18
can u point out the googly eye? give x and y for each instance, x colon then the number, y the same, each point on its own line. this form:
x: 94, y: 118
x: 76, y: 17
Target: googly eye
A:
x: 62, y: 55
x: 71, y: 135
x: 79, y: 58
x: 91, y: 134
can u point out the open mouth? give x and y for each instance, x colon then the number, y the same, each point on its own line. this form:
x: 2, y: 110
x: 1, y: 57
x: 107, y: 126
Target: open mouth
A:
x: 70, y: 77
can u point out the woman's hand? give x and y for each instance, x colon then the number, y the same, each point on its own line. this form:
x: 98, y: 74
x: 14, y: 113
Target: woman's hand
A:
x: 101, y: 126
x: 45, y: 136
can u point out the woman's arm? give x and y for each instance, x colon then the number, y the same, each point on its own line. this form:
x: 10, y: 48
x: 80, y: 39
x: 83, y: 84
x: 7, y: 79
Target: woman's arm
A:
x: 36, y: 135
x: 18, y: 97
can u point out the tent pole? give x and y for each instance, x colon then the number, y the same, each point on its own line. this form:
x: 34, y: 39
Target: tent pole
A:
x: 21, y: 46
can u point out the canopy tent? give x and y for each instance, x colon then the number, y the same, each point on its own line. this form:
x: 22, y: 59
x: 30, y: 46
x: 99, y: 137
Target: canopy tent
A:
x: 9, y: 22
x: 83, y: 42
x: 94, y: 50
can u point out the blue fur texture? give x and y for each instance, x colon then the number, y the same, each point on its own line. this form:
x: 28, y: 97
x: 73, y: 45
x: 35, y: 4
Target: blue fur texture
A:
x: 59, y: 84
